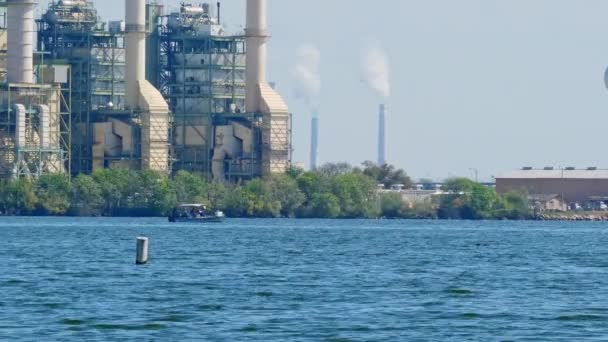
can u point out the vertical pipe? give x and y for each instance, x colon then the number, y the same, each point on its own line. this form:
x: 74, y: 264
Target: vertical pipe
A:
x: 135, y: 48
x: 19, y: 113
x: 257, y: 37
x: 314, y: 143
x: 20, y: 27
x: 44, y: 125
x: 382, y: 136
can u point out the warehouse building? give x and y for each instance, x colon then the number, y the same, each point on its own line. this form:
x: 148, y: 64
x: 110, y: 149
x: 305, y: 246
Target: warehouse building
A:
x: 570, y: 184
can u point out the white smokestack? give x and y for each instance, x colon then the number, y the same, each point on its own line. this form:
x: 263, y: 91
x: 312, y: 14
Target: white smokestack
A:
x: 20, y: 47
x: 376, y: 70
x: 257, y: 37
x: 382, y: 136
x: 135, y: 48
x: 314, y: 143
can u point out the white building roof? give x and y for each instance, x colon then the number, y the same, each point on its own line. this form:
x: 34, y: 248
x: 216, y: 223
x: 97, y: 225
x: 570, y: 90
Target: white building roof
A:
x: 555, y: 174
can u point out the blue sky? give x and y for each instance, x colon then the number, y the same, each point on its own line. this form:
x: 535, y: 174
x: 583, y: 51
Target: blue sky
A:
x: 486, y: 84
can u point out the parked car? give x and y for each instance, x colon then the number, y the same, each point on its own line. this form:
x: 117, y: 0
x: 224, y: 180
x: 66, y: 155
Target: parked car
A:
x: 576, y: 207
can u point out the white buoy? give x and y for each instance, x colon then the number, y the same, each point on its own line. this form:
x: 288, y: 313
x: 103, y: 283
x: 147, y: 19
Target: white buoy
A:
x: 142, y: 250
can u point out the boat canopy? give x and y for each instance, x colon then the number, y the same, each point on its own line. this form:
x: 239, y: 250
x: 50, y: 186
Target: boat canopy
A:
x: 191, y: 205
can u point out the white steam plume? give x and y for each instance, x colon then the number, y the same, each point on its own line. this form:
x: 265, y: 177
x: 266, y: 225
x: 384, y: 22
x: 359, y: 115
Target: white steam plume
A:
x: 376, y: 71
x: 307, y: 74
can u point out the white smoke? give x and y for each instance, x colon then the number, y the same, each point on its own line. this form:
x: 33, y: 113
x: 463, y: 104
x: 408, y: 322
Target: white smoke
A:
x: 307, y: 74
x: 376, y: 71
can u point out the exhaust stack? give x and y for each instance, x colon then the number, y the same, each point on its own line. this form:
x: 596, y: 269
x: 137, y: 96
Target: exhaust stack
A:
x: 382, y: 136
x: 20, y: 28
x: 257, y: 36
x: 135, y: 49
x: 314, y: 143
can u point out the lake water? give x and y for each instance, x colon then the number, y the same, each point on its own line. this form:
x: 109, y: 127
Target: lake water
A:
x: 303, y: 280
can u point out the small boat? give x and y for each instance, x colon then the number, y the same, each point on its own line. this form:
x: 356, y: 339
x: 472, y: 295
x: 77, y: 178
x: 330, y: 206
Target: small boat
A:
x: 195, y: 213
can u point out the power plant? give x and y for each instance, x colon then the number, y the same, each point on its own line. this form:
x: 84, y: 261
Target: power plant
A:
x: 159, y: 91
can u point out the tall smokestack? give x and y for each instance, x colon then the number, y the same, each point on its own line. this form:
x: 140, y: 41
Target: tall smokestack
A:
x: 382, y: 136
x: 20, y: 47
x: 219, y: 13
x: 135, y: 48
x: 257, y: 37
x: 314, y: 142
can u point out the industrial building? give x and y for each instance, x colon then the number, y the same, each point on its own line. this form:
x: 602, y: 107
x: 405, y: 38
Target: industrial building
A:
x: 160, y: 91
x: 571, y: 185
x: 34, y: 114
x: 108, y: 128
x: 202, y: 73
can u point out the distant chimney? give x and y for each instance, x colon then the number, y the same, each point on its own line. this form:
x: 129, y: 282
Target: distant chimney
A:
x: 219, y: 13
x: 382, y: 135
x: 314, y: 143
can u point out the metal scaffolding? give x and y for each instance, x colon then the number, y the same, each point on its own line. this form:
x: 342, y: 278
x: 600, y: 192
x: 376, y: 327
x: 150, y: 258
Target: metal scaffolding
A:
x: 3, y: 41
x: 202, y: 74
x: 31, y: 125
x: 72, y: 34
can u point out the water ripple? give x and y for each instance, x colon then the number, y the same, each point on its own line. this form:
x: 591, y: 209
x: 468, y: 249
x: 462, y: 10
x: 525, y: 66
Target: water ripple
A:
x: 73, y: 279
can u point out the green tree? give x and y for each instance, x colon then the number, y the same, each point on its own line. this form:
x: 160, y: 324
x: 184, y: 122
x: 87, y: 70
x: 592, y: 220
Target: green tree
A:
x: 285, y: 190
x: 334, y: 169
x: 155, y: 193
x: 53, y: 192
x: 294, y: 172
x: 421, y: 210
x: 357, y: 195
x: 238, y: 202
x: 263, y: 202
x: 514, y: 206
x: 458, y: 184
x: 190, y: 188
x: 480, y: 203
x: 324, y: 205
x: 254, y: 199
x: 387, y: 174
x: 468, y: 200
x: 392, y: 205
x: 18, y: 196
x: 87, y: 198
x: 216, y: 194
x: 311, y: 183
x: 117, y: 187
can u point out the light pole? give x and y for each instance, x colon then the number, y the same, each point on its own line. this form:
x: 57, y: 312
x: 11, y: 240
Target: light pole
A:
x: 476, y: 172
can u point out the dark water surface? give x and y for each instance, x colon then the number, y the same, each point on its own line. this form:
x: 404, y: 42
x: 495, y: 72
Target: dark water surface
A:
x: 288, y: 280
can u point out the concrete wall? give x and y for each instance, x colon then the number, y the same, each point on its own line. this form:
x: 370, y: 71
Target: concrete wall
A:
x: 572, y: 190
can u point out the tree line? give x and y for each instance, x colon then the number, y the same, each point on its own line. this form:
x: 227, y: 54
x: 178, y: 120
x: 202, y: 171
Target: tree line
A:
x: 332, y: 191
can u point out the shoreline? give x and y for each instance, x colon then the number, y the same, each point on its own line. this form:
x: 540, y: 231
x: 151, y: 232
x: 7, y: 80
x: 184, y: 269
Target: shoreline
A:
x: 565, y: 217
